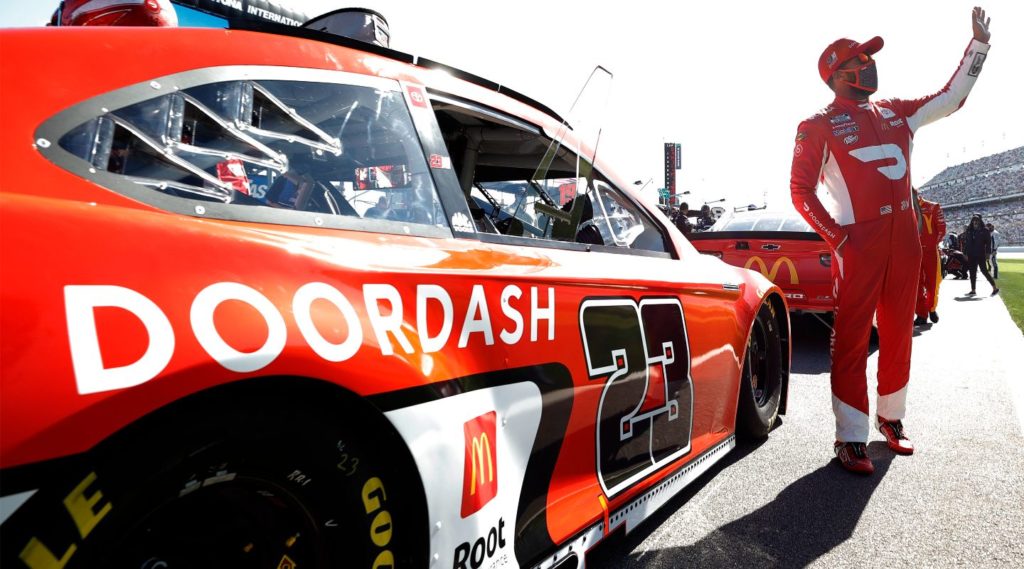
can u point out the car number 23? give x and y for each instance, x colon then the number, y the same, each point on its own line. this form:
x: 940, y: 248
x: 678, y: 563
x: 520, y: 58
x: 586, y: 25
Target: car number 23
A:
x: 645, y: 413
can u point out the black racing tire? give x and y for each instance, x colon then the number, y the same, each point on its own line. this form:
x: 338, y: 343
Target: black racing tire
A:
x: 268, y: 484
x: 761, y: 377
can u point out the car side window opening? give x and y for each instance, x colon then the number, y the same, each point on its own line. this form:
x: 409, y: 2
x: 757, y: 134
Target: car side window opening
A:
x: 338, y: 149
x: 497, y: 158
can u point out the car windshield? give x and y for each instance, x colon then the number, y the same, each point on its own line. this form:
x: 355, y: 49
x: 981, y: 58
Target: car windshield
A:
x: 762, y: 221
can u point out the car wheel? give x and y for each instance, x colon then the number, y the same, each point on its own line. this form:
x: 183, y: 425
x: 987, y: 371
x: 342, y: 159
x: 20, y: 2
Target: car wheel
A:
x: 761, y: 379
x: 268, y: 488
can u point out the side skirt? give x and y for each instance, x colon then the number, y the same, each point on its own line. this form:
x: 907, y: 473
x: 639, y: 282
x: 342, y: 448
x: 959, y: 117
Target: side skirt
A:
x: 640, y: 508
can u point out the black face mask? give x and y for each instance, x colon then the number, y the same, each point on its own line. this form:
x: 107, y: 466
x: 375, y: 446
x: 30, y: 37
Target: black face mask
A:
x: 863, y: 79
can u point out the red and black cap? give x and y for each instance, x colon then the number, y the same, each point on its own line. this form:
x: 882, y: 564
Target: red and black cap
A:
x: 841, y: 50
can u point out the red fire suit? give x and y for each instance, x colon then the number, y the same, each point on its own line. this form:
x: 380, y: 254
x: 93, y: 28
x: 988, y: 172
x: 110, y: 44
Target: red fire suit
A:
x: 861, y: 151
x: 933, y: 227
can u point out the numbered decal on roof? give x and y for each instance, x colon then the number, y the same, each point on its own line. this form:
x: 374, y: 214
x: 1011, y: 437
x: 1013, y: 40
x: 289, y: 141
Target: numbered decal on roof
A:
x: 645, y: 416
x: 416, y: 96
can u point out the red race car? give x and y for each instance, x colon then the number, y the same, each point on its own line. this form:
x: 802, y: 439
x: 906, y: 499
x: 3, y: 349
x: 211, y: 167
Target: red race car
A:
x: 276, y: 298
x: 781, y: 246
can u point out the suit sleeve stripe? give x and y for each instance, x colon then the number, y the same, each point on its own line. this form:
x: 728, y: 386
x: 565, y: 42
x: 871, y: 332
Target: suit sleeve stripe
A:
x: 953, y: 95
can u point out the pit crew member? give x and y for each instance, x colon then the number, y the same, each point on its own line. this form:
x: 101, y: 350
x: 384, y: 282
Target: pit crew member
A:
x: 932, y: 228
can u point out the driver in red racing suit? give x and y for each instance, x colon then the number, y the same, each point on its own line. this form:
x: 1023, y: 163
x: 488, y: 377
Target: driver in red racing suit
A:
x: 861, y: 150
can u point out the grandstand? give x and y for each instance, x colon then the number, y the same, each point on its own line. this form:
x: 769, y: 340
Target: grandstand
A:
x: 992, y: 186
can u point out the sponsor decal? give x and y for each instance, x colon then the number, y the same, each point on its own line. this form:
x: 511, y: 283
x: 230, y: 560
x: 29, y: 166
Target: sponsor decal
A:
x: 896, y: 123
x: 801, y: 136
x: 904, y: 205
x: 798, y: 150
x: 762, y: 268
x: 438, y: 162
x: 886, y: 113
x: 885, y: 210
x: 460, y: 222
x: 884, y: 152
x: 831, y: 59
x: 383, y: 314
x: 851, y: 139
x: 817, y: 222
x: 848, y: 130
x: 482, y: 550
x: 416, y: 96
x: 232, y: 172
x: 979, y: 61
x: 480, y: 478
x: 840, y: 119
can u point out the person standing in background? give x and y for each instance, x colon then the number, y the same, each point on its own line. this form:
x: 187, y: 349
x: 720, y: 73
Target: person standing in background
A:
x: 978, y: 247
x: 683, y: 219
x: 932, y: 228
x: 997, y: 240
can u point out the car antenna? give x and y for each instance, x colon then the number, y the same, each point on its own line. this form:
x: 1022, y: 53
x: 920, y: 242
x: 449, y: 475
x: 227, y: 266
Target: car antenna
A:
x: 584, y: 169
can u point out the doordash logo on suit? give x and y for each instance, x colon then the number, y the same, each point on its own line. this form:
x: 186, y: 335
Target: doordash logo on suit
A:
x: 480, y: 473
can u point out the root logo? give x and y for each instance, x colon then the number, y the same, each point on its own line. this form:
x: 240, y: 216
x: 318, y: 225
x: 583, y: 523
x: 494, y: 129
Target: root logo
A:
x: 480, y: 473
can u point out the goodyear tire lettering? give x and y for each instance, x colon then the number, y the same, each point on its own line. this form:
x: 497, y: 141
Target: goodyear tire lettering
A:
x: 386, y: 560
x: 381, y: 528
x: 85, y: 510
x: 37, y: 556
x: 373, y: 495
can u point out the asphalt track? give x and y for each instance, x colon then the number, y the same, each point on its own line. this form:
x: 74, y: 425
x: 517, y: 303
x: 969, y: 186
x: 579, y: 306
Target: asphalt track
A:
x: 957, y: 502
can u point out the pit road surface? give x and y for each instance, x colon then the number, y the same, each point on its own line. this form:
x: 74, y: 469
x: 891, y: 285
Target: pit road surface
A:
x: 957, y: 502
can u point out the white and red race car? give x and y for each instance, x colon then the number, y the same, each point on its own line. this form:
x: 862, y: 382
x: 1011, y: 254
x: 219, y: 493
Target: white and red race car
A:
x: 274, y: 298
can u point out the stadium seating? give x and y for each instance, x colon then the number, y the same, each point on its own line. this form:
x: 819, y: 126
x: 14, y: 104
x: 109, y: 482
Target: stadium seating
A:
x: 996, y: 181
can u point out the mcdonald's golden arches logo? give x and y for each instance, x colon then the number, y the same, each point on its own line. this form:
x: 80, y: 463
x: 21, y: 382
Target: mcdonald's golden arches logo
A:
x: 480, y: 473
x: 927, y: 223
x: 763, y: 268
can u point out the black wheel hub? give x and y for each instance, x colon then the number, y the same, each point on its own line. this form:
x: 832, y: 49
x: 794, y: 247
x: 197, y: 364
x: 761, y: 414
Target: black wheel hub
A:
x: 757, y: 365
x: 242, y: 522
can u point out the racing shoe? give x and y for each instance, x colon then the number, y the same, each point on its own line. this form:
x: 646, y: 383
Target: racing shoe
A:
x: 920, y: 321
x: 854, y: 457
x: 933, y: 316
x: 972, y: 293
x: 995, y: 291
x: 895, y: 437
